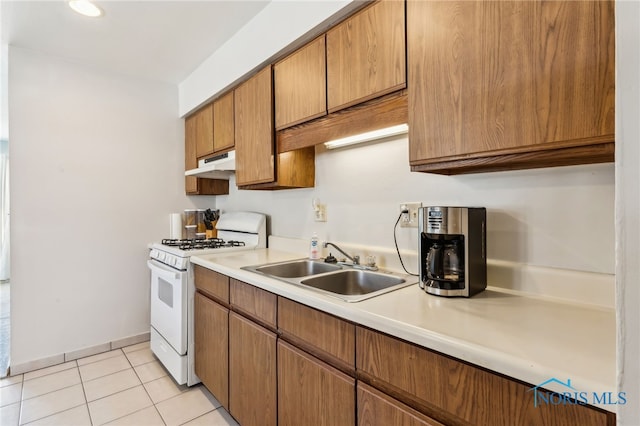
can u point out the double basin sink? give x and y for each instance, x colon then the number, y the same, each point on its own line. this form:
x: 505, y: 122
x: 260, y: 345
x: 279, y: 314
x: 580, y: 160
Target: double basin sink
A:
x: 344, y: 282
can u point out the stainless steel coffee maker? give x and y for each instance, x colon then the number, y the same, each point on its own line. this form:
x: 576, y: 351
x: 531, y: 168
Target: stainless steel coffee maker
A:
x: 452, y: 250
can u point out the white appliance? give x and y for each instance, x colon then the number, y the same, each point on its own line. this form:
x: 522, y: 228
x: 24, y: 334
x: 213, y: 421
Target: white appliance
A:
x: 219, y: 166
x: 173, y: 289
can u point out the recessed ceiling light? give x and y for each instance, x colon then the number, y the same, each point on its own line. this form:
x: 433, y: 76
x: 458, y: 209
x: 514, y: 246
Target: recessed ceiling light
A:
x: 86, y: 8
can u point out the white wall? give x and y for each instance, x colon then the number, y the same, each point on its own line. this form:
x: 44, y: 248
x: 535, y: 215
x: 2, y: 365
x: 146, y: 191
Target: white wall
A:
x: 278, y: 25
x: 628, y: 207
x: 539, y: 217
x: 96, y: 167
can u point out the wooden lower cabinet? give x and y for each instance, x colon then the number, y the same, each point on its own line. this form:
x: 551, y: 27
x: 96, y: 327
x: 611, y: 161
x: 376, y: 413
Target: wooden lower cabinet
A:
x: 252, y: 373
x: 378, y: 409
x: 211, y: 337
x: 457, y: 393
x: 310, y: 392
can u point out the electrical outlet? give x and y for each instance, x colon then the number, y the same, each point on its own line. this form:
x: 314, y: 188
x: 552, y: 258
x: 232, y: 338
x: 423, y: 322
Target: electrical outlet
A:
x: 320, y: 213
x: 409, y: 220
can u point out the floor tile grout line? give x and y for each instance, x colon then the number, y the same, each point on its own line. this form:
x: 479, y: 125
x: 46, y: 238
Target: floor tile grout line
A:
x: 49, y: 415
x: 115, y: 393
x: 22, y: 399
x: 54, y: 414
x: 82, y: 382
x: 197, y: 417
x: 103, y: 359
x: 48, y: 374
x: 84, y: 392
x: 137, y: 350
x: 147, y: 392
x: 104, y: 375
x: 132, y: 413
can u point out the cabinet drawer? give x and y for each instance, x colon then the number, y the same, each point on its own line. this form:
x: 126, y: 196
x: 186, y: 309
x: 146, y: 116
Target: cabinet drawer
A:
x: 325, y: 336
x: 455, y: 392
x: 257, y: 304
x: 212, y: 283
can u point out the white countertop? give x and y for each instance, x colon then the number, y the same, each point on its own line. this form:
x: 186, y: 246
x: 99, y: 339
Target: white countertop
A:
x: 528, y: 338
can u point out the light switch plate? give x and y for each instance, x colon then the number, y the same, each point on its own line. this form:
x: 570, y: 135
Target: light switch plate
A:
x: 409, y: 220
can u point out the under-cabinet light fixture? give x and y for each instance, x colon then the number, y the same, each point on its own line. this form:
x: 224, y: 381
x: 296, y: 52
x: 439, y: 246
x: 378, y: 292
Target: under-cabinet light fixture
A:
x: 85, y: 7
x: 400, y: 129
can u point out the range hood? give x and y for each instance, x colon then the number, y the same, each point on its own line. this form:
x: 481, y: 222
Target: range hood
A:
x: 217, y: 167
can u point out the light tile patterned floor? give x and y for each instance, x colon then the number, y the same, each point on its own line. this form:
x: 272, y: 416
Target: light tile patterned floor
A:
x: 127, y: 386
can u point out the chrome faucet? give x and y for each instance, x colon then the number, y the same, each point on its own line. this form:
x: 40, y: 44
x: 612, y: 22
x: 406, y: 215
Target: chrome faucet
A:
x: 355, y: 260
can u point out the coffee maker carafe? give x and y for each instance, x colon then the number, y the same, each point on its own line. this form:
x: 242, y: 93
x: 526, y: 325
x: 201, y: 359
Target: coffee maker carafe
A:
x: 452, y: 250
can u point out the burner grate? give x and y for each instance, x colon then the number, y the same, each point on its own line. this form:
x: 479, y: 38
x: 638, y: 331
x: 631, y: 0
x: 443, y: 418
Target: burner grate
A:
x: 210, y: 243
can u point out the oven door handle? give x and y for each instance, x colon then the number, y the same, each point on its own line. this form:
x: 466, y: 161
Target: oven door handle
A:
x: 168, y: 272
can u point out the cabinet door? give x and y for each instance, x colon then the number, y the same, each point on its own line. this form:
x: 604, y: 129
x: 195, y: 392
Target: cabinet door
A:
x: 366, y: 55
x: 211, y: 338
x: 376, y: 408
x: 311, y: 392
x: 255, y: 150
x: 508, y: 76
x: 204, y: 131
x: 223, y: 123
x: 190, y: 159
x: 252, y: 373
x: 300, y: 84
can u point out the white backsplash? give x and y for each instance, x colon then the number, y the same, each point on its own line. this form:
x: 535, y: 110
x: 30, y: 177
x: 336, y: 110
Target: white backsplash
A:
x: 567, y: 286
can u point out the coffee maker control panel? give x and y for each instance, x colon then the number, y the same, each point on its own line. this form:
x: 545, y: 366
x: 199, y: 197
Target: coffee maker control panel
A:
x: 444, y: 220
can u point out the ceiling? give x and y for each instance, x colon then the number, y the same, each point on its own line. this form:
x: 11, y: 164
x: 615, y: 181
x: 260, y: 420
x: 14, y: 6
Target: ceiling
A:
x: 157, y: 40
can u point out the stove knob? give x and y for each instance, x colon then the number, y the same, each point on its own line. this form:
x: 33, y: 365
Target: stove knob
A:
x: 153, y: 253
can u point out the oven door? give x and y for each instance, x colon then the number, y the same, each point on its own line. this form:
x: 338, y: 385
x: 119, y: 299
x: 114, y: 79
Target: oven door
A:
x: 169, y: 304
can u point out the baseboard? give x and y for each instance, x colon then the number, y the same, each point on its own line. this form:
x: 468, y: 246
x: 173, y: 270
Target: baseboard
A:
x: 49, y: 361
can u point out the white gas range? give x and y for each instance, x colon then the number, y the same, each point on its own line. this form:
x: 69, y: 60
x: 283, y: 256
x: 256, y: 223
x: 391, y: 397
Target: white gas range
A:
x: 173, y: 289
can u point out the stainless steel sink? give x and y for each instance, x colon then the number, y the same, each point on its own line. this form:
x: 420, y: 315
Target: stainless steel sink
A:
x: 353, y: 283
x: 300, y: 268
x: 347, y: 284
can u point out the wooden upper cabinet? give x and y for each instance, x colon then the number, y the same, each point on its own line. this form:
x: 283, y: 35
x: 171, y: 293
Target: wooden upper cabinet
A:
x: 198, y: 127
x: 258, y: 164
x: 190, y: 159
x: 366, y: 55
x: 254, y: 133
x: 223, y: 123
x: 301, y: 85
x: 204, y: 131
x: 495, y: 85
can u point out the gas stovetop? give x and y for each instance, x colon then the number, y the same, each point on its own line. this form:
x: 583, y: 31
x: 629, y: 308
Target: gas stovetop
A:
x: 210, y: 243
x: 237, y: 231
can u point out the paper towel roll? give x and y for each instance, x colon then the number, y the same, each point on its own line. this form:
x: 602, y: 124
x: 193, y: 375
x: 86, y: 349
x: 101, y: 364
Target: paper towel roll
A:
x: 175, y: 226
